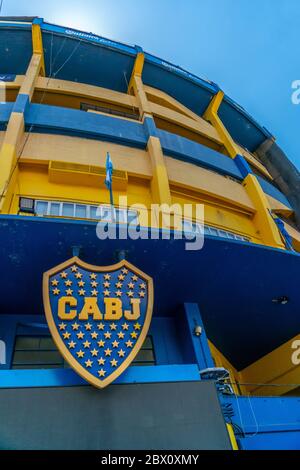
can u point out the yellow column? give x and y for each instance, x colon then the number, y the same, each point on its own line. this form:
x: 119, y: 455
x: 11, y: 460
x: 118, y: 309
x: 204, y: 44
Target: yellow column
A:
x: 263, y: 220
x: 232, y: 438
x: 9, y: 153
x: 160, y: 187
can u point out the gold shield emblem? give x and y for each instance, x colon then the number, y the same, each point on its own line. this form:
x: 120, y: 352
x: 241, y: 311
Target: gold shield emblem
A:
x: 99, y: 317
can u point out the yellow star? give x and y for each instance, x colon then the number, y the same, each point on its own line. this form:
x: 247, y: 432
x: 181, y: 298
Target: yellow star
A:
x: 121, y: 353
x: 88, y: 326
x: 119, y: 285
x: 101, y: 326
x: 119, y: 293
x: 62, y: 326
x: 80, y: 354
x: 80, y: 335
x: 68, y: 283
x: 93, y: 276
x: 72, y: 345
x: 78, y: 276
x: 121, y: 335
x: 134, y: 278
x: 101, y: 372
x: 74, y: 269
x: 101, y: 343
x: 130, y: 293
x: 113, y: 326
x: 137, y: 326
x: 64, y: 275
x: 56, y: 291
x: 106, y: 293
x: 108, y: 352
x: 88, y: 363
x: 81, y: 292
x: 115, y: 344
x: 129, y: 344
x: 94, y: 352
x: 107, y: 335
x: 125, y: 326
x: 125, y: 271
x: 114, y: 363
x: 121, y: 277
x: 81, y: 284
x: 54, y: 282
x: 94, y: 293
x: 101, y: 361
x: 94, y: 284
x: 107, y: 277
x: 75, y: 326
x: 131, y: 285
x: 69, y: 292
x: 86, y: 344
x: 106, y: 284
x: 94, y: 335
x: 133, y: 335
x: 66, y: 335
x: 143, y: 286
x: 142, y: 294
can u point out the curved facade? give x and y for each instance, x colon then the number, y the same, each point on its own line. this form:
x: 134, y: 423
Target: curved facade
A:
x: 68, y: 98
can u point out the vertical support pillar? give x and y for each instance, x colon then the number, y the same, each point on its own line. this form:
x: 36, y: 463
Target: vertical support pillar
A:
x: 160, y: 187
x: 263, y: 220
x: 9, y: 153
x: 199, y: 340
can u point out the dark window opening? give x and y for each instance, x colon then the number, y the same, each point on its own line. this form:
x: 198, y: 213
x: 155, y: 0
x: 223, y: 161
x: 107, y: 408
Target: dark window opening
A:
x: 40, y: 352
x: 113, y: 112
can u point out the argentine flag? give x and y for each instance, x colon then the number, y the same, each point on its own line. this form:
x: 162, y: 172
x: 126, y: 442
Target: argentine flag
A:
x: 109, y: 172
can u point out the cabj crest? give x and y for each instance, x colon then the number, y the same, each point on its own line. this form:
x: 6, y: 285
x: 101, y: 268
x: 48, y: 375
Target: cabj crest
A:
x: 98, y: 316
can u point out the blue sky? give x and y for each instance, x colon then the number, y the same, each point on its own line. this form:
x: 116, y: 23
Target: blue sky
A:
x: 250, y: 48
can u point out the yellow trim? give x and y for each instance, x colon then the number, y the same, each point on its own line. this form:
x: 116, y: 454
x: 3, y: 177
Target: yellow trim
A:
x: 262, y: 219
x: 137, y: 69
x: 59, y: 342
x: 37, y: 45
x: 13, y: 136
x: 211, y: 115
x: 160, y: 187
x: 274, y: 368
x: 232, y: 437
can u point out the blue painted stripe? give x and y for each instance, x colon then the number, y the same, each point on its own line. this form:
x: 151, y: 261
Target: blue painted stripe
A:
x: 21, y: 103
x: 83, y: 124
x: 90, y: 37
x: 68, y: 377
x: 15, y: 25
x: 5, y: 112
x: 150, y: 127
x: 242, y: 165
x: 271, y: 190
x: 192, y: 152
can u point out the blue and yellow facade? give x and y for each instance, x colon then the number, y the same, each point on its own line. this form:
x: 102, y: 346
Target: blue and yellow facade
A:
x: 68, y: 98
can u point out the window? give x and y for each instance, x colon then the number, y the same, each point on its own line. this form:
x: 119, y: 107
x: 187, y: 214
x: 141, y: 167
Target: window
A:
x: 189, y: 226
x: 40, y: 352
x: 36, y: 352
x: 113, y: 112
x: 85, y: 211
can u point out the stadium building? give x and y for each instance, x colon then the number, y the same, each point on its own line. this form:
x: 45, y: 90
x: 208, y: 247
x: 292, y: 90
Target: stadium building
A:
x: 219, y: 367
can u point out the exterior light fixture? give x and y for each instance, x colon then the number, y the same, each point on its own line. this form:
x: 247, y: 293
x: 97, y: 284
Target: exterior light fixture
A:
x: 198, y: 330
x: 26, y: 205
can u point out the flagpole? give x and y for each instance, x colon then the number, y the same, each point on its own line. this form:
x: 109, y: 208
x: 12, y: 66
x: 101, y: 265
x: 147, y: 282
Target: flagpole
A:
x: 108, y: 183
